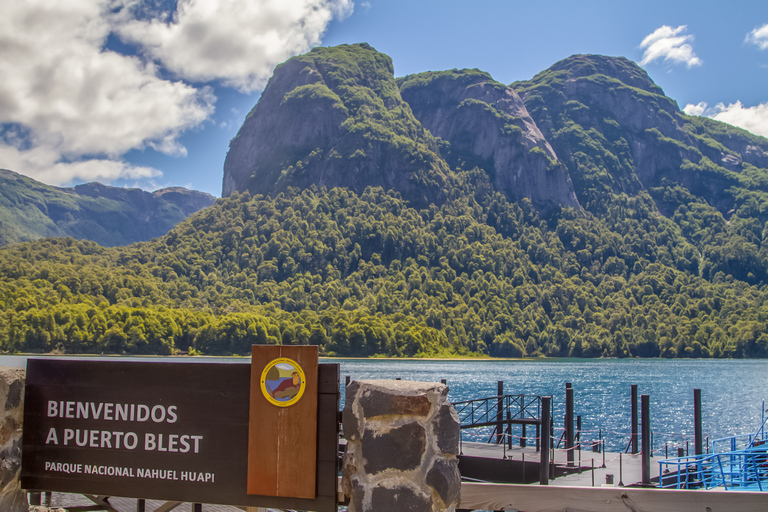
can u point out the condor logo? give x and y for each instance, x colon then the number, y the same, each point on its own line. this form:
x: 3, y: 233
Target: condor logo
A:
x: 283, y: 382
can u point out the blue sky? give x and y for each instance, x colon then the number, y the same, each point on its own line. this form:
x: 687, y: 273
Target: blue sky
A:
x: 148, y: 93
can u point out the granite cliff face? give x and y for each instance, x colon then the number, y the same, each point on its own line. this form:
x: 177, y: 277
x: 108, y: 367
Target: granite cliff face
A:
x: 618, y: 133
x: 486, y: 124
x: 334, y: 118
x: 583, y: 133
x: 107, y: 215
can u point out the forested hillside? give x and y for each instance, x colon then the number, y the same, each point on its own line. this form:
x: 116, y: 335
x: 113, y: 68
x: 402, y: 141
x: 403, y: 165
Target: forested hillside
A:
x: 107, y: 215
x: 367, y: 275
x: 657, y: 248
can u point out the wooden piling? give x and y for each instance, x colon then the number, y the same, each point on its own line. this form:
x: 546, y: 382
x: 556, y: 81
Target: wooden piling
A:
x: 698, y: 437
x: 544, y: 460
x: 569, y: 423
x: 500, y: 411
x: 634, y: 418
x: 646, y: 440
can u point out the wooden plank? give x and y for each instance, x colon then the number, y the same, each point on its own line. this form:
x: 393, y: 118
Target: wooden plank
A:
x: 605, y: 499
x: 282, y: 446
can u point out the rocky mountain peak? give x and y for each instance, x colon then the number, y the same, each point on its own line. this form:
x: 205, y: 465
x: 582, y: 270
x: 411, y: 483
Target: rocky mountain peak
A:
x: 334, y: 117
x: 486, y: 124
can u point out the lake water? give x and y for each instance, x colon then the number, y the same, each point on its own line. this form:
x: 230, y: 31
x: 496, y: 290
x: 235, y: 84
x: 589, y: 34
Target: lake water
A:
x: 733, y: 391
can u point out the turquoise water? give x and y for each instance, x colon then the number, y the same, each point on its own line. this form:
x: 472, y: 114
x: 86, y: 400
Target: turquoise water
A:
x: 733, y: 391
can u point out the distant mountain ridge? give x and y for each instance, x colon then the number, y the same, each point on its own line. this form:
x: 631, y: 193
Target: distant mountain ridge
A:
x: 587, y: 126
x: 106, y: 215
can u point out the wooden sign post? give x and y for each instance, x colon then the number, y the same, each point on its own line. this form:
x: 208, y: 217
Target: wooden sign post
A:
x: 282, y: 440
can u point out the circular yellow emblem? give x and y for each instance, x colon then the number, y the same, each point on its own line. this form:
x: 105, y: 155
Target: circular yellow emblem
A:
x: 283, y: 382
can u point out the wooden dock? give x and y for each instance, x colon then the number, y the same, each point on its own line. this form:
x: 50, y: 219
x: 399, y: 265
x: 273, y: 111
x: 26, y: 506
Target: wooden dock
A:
x: 489, y: 462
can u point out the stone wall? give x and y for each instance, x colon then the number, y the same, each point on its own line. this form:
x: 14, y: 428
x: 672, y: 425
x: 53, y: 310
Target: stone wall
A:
x: 402, y: 443
x: 12, y: 499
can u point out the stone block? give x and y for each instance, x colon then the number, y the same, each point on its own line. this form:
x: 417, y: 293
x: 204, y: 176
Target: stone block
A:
x: 445, y: 479
x: 401, y: 448
x: 12, y: 499
x: 400, y: 499
x: 378, y: 403
x: 402, y: 443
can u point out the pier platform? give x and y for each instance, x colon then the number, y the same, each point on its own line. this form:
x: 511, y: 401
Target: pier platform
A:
x: 489, y: 462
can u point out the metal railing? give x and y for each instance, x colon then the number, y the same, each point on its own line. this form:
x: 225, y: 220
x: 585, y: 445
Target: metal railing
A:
x: 740, y: 469
x: 493, y: 410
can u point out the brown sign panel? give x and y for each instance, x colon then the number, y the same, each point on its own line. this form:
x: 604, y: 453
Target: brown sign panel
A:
x: 283, y: 421
x: 166, y: 431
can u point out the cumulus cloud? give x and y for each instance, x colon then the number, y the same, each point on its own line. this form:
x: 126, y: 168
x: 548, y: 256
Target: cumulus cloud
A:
x: 759, y: 37
x: 72, y: 100
x: 695, y: 110
x: 45, y: 164
x: 236, y: 41
x: 753, y: 119
x: 670, y: 44
x: 70, y: 108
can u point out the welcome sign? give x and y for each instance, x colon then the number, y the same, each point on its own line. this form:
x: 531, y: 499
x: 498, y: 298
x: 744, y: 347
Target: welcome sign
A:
x: 169, y: 431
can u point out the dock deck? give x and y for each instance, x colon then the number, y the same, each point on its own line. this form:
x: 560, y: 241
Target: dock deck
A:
x: 520, y: 465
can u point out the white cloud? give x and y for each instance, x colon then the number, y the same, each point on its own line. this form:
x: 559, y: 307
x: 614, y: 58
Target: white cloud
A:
x: 236, y: 41
x: 695, y: 110
x: 753, y: 119
x: 76, y: 101
x: 44, y: 164
x: 759, y: 37
x: 671, y: 45
x: 70, y: 108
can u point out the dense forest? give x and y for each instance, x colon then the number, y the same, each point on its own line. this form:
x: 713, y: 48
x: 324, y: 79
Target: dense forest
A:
x: 369, y: 275
x: 578, y: 214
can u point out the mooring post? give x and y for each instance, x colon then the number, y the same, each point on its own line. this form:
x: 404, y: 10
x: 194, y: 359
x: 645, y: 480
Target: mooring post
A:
x: 500, y: 411
x: 646, y: 426
x: 634, y: 418
x: 346, y: 381
x: 698, y: 436
x: 522, y: 416
x: 569, y: 422
x: 544, y: 459
x: 578, y: 431
x: 508, y: 430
